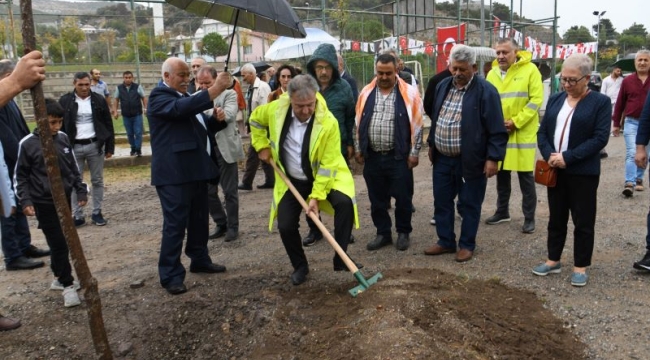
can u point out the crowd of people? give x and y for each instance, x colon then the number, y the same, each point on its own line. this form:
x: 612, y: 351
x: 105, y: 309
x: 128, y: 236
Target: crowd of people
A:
x: 311, y: 126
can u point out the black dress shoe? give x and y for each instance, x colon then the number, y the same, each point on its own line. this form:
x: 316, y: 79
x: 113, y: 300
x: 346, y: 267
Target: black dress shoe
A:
x: 312, y: 237
x: 351, y: 239
x: 379, y: 242
x: 34, y: 252
x: 176, y: 289
x: 23, y: 263
x: 218, y: 232
x: 210, y: 269
x: 265, y: 186
x: 300, y: 275
x: 244, y: 187
x: 403, y: 241
x: 342, y: 267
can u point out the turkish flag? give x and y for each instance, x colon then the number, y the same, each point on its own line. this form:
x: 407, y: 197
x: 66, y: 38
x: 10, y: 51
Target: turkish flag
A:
x: 356, y: 46
x: 428, y: 48
x: 447, y: 40
x: 403, y: 43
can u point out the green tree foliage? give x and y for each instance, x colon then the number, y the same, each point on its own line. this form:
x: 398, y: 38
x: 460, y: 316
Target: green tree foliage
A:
x: 119, y: 10
x: 214, y: 45
x: 577, y: 35
x: 70, y: 51
x: 182, y: 22
x: 71, y: 33
x: 118, y: 25
x: 636, y: 30
x: 368, y: 30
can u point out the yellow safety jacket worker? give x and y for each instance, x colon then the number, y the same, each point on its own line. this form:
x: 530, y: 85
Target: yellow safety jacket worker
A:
x: 328, y: 166
x: 521, y: 94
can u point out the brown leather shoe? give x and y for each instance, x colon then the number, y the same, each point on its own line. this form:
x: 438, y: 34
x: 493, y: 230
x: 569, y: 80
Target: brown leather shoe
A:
x: 439, y: 250
x: 7, y: 323
x: 464, y: 255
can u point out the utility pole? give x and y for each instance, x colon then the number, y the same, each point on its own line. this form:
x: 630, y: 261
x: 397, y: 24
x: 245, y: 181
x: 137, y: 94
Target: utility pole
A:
x: 323, y: 21
x: 136, y: 51
x: 14, y: 48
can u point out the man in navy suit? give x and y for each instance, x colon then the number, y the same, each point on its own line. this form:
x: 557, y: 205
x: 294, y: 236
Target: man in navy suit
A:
x: 183, y: 161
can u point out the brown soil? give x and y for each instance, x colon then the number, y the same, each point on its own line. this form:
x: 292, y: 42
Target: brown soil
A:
x: 417, y: 311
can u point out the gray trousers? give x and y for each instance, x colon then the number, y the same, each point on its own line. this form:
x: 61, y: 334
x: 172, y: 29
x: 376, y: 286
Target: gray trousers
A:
x: 528, y: 193
x: 228, y: 181
x: 95, y: 158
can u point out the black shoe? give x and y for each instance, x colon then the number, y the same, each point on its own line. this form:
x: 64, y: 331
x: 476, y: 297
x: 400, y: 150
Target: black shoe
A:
x: 529, y: 227
x: 299, y: 276
x: 351, y: 239
x: 176, y: 289
x: 218, y: 232
x: 603, y: 154
x: 643, y: 264
x: 342, y: 267
x: 23, y: 263
x: 244, y: 187
x: 403, y: 241
x: 265, y: 186
x: 34, y: 252
x: 209, y: 269
x: 312, y: 237
x: 79, y: 222
x: 138, y: 153
x: 231, y: 235
x: 132, y: 153
x: 379, y: 242
x: 412, y: 208
x: 98, y: 219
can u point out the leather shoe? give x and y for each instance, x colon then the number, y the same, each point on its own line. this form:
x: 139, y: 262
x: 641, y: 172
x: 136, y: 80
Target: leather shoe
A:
x: 341, y: 266
x: 403, y: 241
x: 300, y: 275
x: 464, y: 255
x: 439, y: 250
x: 379, y: 242
x: 176, y: 289
x: 209, y: 269
x: 265, y: 186
x: 7, y: 323
x: 34, y: 252
x: 23, y: 263
x: 244, y: 187
x: 218, y: 232
x: 312, y: 237
x: 231, y: 235
x: 351, y: 239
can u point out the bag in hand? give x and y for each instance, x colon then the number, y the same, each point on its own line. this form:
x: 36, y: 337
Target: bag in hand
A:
x: 545, y: 174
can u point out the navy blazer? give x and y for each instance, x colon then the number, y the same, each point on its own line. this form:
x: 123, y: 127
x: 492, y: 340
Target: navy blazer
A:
x: 588, y: 134
x: 178, y: 140
x: 12, y: 129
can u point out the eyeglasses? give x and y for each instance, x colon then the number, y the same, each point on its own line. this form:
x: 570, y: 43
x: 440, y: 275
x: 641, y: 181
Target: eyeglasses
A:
x: 571, y: 81
x: 321, y: 68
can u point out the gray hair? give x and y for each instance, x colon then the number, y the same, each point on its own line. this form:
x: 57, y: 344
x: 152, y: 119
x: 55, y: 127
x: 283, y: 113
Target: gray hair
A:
x: 645, y: 52
x: 463, y: 53
x: 6, y: 67
x: 302, y: 86
x: 248, y: 68
x: 393, y: 52
x: 168, y: 66
x: 207, y: 69
x: 510, y: 41
x: 579, y: 61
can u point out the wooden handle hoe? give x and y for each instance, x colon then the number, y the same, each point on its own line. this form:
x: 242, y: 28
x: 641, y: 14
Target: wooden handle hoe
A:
x: 363, y: 282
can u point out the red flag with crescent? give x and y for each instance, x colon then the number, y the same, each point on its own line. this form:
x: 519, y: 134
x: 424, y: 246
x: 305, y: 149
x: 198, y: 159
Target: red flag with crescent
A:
x: 447, y: 38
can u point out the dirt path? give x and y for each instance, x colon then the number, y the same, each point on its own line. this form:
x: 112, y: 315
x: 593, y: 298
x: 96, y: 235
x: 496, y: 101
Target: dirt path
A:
x: 425, y: 308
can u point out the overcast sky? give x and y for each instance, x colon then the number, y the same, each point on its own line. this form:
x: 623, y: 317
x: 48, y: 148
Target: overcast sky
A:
x: 622, y: 13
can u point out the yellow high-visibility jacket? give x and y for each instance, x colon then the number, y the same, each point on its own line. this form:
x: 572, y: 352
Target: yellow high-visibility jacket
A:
x: 328, y: 166
x: 521, y: 94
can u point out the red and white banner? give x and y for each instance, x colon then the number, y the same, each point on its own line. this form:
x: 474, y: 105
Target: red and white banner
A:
x: 447, y: 38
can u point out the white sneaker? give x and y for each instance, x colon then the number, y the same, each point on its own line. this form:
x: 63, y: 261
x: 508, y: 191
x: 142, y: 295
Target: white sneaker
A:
x: 70, y: 297
x: 432, y: 221
x: 56, y: 285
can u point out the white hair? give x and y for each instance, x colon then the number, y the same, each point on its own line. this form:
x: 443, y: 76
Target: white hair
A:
x: 579, y: 61
x: 248, y: 68
x: 463, y: 53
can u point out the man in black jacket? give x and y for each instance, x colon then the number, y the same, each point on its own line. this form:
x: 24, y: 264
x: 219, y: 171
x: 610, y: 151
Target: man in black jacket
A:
x: 16, y: 239
x: 88, y: 124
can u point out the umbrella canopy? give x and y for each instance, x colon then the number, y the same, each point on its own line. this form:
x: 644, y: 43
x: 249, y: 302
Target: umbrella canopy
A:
x: 626, y: 63
x: 259, y: 66
x: 268, y: 16
x: 288, y: 48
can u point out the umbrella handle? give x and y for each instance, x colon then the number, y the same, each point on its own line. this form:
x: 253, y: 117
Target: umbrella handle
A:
x: 232, y: 38
x: 346, y: 259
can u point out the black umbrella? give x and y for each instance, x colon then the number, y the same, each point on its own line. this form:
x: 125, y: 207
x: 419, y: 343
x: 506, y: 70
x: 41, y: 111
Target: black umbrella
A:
x: 259, y: 67
x: 626, y: 63
x: 268, y: 16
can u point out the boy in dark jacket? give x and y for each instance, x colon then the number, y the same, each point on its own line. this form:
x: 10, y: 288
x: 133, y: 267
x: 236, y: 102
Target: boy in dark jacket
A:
x: 35, y: 195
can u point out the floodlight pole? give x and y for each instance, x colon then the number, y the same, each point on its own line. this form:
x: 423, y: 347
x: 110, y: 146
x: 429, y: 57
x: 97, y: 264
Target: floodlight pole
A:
x: 598, y: 14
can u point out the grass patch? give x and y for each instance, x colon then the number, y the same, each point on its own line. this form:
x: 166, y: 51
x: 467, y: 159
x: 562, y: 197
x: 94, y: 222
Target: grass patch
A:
x: 118, y: 125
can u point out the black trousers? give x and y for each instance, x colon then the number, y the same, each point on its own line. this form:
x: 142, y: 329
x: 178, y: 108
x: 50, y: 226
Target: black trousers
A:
x: 528, y: 193
x: 250, y: 168
x: 575, y: 195
x: 48, y: 221
x: 289, y: 210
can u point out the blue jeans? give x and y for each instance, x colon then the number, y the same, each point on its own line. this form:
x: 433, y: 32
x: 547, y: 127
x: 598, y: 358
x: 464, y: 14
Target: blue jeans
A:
x: 632, y: 172
x: 133, y: 126
x: 95, y: 159
x: 447, y: 183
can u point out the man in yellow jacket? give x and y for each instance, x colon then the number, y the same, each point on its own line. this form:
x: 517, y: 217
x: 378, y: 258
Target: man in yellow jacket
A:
x: 520, y: 86
x: 304, y: 140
